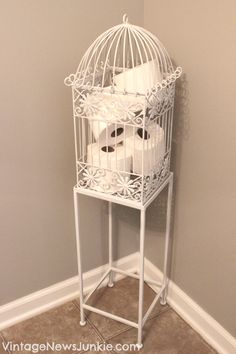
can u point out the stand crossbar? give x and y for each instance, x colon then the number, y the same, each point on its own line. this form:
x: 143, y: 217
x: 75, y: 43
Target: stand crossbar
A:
x: 136, y: 276
x: 110, y: 315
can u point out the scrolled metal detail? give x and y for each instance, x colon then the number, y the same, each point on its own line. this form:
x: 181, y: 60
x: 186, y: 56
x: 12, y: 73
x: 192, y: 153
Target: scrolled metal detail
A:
x: 69, y: 80
x: 127, y: 185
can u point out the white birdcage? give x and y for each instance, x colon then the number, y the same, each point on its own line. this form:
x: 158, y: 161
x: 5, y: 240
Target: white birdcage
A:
x: 123, y: 99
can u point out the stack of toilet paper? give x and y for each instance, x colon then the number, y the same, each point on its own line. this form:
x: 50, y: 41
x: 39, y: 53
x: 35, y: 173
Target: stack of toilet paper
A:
x: 147, y: 148
x: 121, y: 147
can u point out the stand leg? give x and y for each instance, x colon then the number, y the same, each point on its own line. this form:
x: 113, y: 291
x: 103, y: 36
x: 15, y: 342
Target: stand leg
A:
x: 81, y: 297
x: 141, y: 276
x: 110, y: 282
x: 167, y: 239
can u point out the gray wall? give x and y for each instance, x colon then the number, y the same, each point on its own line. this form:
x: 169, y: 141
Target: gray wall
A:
x: 41, y: 43
x: 200, y: 36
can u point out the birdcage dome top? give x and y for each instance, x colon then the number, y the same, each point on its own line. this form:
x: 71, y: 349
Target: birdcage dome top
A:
x: 126, y: 58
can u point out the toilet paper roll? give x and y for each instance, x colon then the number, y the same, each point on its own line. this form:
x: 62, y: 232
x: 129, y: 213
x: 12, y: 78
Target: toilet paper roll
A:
x: 150, y: 145
x: 109, y: 108
x: 106, y: 133
x: 140, y: 78
x: 111, y: 158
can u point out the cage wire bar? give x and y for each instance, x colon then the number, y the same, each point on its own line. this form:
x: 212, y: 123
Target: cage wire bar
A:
x: 123, y: 101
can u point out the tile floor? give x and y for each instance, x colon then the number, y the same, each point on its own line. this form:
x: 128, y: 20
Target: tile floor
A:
x: 164, y: 333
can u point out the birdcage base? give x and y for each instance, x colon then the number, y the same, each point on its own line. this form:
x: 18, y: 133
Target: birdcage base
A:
x: 130, y: 202
x: 128, y: 189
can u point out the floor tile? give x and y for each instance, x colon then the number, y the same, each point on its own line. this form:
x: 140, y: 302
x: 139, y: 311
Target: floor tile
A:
x: 166, y: 334
x: 121, y: 300
x: 59, y: 325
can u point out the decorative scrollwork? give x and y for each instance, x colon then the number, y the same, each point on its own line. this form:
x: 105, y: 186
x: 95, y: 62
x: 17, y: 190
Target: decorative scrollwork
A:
x: 69, y: 81
x: 121, y: 184
x: 159, y: 102
x: 117, y: 108
x: 125, y: 109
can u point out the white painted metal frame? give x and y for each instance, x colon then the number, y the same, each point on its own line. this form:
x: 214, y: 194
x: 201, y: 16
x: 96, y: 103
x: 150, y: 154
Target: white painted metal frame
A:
x: 109, y: 113
x: 123, y: 127
x: 162, y: 293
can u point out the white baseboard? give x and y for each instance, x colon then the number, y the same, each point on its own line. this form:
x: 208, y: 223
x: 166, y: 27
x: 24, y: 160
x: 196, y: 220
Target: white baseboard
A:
x: 55, y: 295
x: 67, y: 290
x: 194, y: 315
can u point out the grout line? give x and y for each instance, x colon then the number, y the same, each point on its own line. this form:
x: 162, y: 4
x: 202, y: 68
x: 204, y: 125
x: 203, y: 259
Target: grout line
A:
x: 100, y: 333
x: 76, y: 304
x: 129, y: 328
x: 118, y: 333
x: 96, y: 330
x: 90, y: 322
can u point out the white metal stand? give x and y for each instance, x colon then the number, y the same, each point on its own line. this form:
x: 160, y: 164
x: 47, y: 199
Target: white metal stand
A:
x: 162, y: 293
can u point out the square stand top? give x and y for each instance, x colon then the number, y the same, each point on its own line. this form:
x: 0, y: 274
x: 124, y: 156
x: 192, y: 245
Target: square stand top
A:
x: 126, y: 202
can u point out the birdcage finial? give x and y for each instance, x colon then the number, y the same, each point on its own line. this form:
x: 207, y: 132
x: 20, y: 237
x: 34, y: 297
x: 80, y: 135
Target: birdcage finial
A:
x: 125, y: 18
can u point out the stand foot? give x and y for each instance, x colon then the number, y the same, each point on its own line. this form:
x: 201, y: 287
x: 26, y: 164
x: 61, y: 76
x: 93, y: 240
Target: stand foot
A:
x: 163, y: 301
x: 163, y: 297
x: 110, y: 285
x: 82, y: 323
x: 139, y: 346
